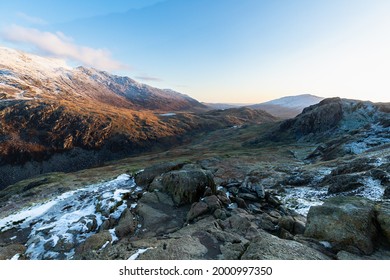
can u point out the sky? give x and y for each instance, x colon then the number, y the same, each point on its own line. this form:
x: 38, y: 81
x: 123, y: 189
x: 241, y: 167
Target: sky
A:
x: 225, y: 51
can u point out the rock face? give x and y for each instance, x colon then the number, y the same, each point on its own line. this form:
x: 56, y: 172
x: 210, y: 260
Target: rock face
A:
x: 347, y: 222
x: 185, y: 183
x: 269, y: 247
x: 187, y: 186
x: 383, y: 212
x: 144, y: 178
x: 9, y: 251
x: 321, y: 117
x: 343, y: 183
x: 94, y: 243
x: 127, y: 224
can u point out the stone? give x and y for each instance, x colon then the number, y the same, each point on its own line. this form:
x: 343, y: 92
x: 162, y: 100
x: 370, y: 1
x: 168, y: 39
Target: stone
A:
x: 343, y: 183
x: 145, y: 177
x: 269, y: 247
x: 248, y: 196
x: 187, y: 186
x: 287, y: 223
x: 212, y: 202
x: 386, y: 193
x: 344, y: 255
x: 259, y: 191
x: 347, y: 222
x: 240, y: 202
x: 126, y: 225
x: 265, y: 222
x: 93, y: 243
x: 381, y: 175
x: 220, y: 214
x: 254, y: 209
x: 224, y: 199
x: 299, y: 227
x: 153, y: 220
x: 183, y: 248
x: 232, y: 251
x: 274, y: 201
x: 383, y: 218
x: 8, y: 251
x: 197, y: 209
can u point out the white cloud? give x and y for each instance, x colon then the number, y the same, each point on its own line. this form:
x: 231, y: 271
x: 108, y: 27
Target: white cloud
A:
x: 31, y: 19
x: 59, y: 45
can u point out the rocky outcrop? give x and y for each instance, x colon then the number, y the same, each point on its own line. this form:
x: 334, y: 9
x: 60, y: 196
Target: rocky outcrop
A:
x: 94, y: 243
x: 343, y: 183
x: 347, y: 222
x: 146, y: 176
x: 9, y: 251
x: 383, y: 218
x: 185, y: 185
x: 269, y: 247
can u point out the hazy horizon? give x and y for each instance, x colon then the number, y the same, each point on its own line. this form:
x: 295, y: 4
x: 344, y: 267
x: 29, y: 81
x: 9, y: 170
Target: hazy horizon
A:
x: 216, y: 51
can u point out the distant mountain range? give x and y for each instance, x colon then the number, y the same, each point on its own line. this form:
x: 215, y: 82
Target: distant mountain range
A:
x: 284, y: 108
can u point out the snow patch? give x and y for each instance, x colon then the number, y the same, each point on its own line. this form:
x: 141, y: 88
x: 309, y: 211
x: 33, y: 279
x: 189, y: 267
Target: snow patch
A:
x: 301, y: 199
x: 15, y: 257
x: 138, y: 253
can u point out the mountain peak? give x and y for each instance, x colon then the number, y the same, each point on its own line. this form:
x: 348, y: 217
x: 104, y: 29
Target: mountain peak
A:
x: 288, y: 106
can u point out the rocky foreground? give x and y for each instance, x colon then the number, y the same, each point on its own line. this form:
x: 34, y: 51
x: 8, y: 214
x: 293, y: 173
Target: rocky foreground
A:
x: 187, y: 211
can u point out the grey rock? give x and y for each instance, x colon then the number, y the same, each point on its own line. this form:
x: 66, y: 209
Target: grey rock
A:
x: 127, y: 224
x: 183, y: 248
x: 248, y: 196
x: 383, y: 217
x: 92, y: 243
x: 146, y: 177
x: 212, y: 202
x: 269, y: 247
x: 259, y: 191
x: 386, y: 193
x: 187, y: 186
x: 343, y: 183
x: 232, y: 251
x: 197, y: 209
x: 240, y: 202
x: 8, y: 251
x: 347, y: 222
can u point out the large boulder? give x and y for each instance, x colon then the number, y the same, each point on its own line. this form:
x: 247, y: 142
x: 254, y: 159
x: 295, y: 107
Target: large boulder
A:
x: 126, y: 225
x: 146, y: 176
x: 158, y: 214
x: 343, y: 183
x: 187, y: 185
x: 183, y: 248
x: 94, y: 243
x: 347, y: 222
x: 383, y: 217
x: 269, y: 247
x: 9, y: 251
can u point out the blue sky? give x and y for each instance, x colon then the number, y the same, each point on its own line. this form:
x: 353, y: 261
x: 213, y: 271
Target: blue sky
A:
x: 238, y: 51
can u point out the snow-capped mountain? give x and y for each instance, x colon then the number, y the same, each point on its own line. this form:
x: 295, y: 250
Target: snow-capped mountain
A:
x: 26, y: 76
x: 289, y: 106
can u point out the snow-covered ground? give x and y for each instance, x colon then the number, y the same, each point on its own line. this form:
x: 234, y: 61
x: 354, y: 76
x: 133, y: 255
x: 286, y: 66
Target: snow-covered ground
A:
x: 58, y: 225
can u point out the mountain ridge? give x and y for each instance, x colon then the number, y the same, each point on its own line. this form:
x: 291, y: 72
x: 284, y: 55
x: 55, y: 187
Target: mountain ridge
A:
x: 26, y: 76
